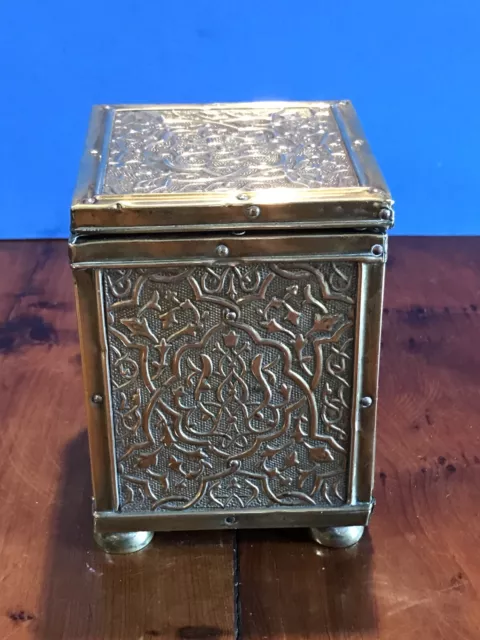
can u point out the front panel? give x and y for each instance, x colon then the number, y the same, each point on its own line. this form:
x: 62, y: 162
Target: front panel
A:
x: 232, y: 385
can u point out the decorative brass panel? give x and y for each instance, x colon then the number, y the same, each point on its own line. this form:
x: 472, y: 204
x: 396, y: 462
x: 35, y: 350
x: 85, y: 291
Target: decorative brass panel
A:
x: 231, y: 384
x: 163, y: 150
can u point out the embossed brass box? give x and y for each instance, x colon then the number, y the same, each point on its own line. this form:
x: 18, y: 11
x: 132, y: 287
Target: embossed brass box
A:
x: 229, y: 264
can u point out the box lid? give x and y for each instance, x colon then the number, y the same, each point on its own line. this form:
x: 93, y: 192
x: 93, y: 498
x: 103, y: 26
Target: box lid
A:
x: 173, y: 168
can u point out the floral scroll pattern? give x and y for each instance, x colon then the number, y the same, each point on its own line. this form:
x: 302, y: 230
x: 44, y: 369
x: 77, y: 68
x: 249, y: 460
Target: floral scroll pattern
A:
x: 159, y: 151
x: 231, y: 384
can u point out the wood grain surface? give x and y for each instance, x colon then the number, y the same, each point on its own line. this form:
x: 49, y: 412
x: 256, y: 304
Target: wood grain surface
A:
x: 415, y: 574
x: 54, y: 583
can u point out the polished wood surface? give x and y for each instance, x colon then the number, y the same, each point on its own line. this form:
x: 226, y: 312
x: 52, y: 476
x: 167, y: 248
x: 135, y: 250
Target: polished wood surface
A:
x: 54, y: 583
x: 415, y: 574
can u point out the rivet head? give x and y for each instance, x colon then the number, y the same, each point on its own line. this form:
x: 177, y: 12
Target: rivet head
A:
x: 118, y: 205
x: 366, y: 402
x: 229, y: 520
x: 222, y: 251
x: 243, y: 196
x: 252, y: 212
x: 94, y: 152
x: 358, y: 142
x: 385, y: 214
x: 90, y: 200
x: 97, y: 398
x: 377, y: 250
x: 230, y: 315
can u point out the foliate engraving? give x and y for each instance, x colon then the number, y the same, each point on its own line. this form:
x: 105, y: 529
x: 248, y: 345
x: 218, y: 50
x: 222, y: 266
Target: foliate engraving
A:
x: 219, y: 150
x: 231, y: 384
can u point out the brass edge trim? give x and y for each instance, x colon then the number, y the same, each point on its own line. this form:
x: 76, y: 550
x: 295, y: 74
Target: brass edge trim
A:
x: 89, y: 333
x: 193, y: 228
x: 370, y: 376
x: 357, y: 380
x: 102, y: 164
x: 347, y: 143
x: 323, y: 210
x: 264, y: 197
x: 107, y: 400
x: 360, y: 152
x: 89, y: 161
x: 90, y: 253
x: 266, y: 104
x: 274, y: 517
x: 121, y: 263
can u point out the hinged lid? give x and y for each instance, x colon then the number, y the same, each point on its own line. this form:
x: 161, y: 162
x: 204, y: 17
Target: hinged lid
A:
x: 172, y: 168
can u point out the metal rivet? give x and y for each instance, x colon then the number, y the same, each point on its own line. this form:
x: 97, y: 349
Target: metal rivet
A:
x: 253, y: 211
x: 243, y: 196
x: 230, y: 315
x: 385, y: 214
x: 222, y: 251
x: 366, y: 402
x: 230, y: 520
x: 90, y: 200
x: 118, y: 205
x: 377, y: 250
x: 358, y: 142
x: 97, y: 398
x: 94, y: 152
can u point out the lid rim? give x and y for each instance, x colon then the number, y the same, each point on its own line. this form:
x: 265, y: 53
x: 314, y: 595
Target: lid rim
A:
x: 289, y: 207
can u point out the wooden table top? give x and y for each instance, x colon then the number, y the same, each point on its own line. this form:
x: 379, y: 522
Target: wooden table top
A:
x: 416, y: 572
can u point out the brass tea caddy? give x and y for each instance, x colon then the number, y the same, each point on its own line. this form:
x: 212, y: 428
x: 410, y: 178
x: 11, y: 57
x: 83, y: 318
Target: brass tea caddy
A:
x: 229, y: 266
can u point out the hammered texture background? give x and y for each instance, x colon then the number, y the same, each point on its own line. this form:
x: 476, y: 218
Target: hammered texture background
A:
x: 219, y: 150
x: 231, y: 384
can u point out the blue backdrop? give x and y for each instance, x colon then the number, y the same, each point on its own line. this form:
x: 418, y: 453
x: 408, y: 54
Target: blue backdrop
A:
x: 411, y: 68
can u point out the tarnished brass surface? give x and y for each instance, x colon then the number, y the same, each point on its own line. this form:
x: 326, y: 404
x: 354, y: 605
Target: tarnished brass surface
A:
x: 231, y: 380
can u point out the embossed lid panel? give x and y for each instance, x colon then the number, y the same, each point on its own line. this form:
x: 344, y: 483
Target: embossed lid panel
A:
x: 165, y: 151
x: 185, y: 167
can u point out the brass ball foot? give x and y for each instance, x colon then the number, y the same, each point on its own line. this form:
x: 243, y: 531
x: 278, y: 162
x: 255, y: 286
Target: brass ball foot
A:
x: 337, y: 537
x: 123, y: 542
